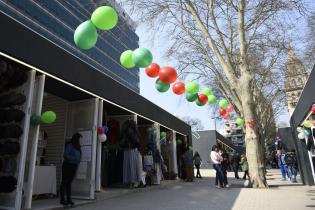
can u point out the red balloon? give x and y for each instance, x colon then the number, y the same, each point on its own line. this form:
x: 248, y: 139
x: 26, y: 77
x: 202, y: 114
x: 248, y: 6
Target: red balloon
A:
x: 178, y: 88
x: 168, y: 75
x: 202, y: 98
x: 100, y: 130
x: 226, y: 116
x: 251, y: 123
x: 313, y: 109
x: 152, y: 70
x: 222, y: 112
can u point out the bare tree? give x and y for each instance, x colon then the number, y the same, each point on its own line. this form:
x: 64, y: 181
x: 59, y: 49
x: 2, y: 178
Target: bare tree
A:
x: 236, y: 44
x: 195, y: 123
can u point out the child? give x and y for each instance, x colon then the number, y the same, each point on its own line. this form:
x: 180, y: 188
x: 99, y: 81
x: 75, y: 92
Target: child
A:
x: 244, y: 165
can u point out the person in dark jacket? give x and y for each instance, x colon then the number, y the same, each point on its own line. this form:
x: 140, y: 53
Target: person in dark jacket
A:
x: 197, y: 162
x: 291, y: 163
x: 72, y: 158
x: 236, y: 164
x: 189, y: 162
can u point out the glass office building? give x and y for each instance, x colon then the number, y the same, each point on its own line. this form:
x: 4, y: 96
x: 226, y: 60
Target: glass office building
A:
x: 57, y: 20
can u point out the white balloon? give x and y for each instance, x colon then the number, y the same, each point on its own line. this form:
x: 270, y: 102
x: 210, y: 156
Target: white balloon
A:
x: 299, y: 129
x: 102, y: 137
x: 301, y: 135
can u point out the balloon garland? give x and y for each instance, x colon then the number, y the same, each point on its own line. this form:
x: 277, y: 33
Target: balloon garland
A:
x: 106, y: 18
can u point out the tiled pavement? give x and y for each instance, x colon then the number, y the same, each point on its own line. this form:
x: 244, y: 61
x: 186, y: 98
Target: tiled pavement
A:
x: 202, y: 195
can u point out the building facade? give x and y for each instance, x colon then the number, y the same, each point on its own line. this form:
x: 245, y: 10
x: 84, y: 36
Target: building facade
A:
x: 57, y: 21
x: 295, y: 79
x: 234, y: 133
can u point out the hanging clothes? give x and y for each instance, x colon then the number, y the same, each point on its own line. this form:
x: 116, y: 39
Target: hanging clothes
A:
x: 131, y: 166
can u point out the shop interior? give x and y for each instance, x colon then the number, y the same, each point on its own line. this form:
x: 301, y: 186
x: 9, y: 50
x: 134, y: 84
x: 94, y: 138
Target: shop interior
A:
x: 76, y: 111
x: 181, y: 144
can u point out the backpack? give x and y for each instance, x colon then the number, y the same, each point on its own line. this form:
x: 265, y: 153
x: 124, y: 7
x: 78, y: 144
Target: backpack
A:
x: 197, y: 160
x: 290, y: 159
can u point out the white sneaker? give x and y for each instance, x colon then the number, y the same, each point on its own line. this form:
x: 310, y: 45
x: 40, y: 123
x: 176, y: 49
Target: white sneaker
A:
x: 227, y: 186
x: 218, y: 186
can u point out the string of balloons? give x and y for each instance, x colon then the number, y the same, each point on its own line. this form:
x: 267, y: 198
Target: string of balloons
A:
x: 106, y: 18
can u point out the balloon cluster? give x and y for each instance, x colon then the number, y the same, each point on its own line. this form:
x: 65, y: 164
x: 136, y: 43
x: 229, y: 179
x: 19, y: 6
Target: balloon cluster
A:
x: 47, y: 117
x: 304, y: 132
x: 103, y: 18
x: 102, y: 131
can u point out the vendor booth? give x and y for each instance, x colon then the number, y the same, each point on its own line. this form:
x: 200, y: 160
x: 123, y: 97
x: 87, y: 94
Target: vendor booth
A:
x: 83, y: 99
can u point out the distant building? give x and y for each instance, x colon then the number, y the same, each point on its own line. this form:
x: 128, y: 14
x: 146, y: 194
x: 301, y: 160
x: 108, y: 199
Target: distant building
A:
x: 234, y: 133
x: 295, y: 79
x: 204, y: 140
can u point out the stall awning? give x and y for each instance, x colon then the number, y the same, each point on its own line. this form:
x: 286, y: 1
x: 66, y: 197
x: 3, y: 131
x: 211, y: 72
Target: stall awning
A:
x: 305, y: 102
x: 27, y: 46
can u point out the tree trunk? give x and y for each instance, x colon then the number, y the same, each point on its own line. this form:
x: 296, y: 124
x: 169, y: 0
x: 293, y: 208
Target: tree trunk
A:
x: 252, y: 138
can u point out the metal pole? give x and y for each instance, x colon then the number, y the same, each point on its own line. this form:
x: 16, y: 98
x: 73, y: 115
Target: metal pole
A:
x: 99, y: 149
x: 31, y: 171
x: 94, y: 144
x: 24, y: 138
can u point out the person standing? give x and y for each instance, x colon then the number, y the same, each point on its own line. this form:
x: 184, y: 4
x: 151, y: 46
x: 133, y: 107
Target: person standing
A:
x: 216, y: 160
x: 72, y: 158
x: 244, y: 166
x: 291, y: 162
x: 189, y: 164
x: 197, y: 161
x: 282, y: 165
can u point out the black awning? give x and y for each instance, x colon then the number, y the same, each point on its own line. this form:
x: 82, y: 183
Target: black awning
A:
x: 29, y: 47
x: 305, y: 102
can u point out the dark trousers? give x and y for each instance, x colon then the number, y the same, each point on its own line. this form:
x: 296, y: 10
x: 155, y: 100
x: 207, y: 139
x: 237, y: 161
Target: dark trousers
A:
x: 245, y: 173
x: 68, y: 173
x: 219, y: 173
x: 235, y: 169
x: 225, y: 180
x: 198, y: 175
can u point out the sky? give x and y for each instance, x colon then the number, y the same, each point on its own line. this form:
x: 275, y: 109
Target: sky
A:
x: 177, y: 105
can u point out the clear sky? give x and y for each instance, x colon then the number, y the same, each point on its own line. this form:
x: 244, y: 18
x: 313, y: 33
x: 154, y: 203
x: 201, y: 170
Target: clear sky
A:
x: 177, y: 105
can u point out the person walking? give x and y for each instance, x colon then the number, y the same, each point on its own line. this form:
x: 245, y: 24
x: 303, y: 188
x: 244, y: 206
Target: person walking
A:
x: 197, y: 162
x: 224, y: 168
x: 216, y: 160
x: 72, y: 158
x: 291, y: 163
x: 282, y: 165
x: 236, y: 164
x: 244, y: 166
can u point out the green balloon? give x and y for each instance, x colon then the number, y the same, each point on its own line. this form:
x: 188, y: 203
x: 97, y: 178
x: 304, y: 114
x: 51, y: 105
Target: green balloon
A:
x: 163, y: 134
x: 240, y: 121
x: 48, y: 117
x: 104, y: 18
x: 192, y: 87
x: 207, y: 91
x: 85, y: 36
x: 35, y: 120
x: 199, y: 103
x: 179, y: 142
x: 142, y: 57
x: 190, y: 148
x: 191, y: 97
x: 161, y: 86
x: 126, y: 59
x: 223, y: 104
x: 212, y: 99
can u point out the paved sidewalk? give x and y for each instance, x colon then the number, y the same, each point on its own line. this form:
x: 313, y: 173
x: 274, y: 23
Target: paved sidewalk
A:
x: 202, y: 195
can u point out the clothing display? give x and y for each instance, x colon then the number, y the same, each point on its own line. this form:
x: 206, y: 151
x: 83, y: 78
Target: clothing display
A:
x: 11, y: 77
x: 7, y: 184
x: 11, y: 115
x: 10, y: 131
x: 131, y: 166
x: 12, y: 99
x: 114, y: 131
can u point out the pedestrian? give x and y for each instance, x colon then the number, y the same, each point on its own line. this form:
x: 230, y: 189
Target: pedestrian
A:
x: 291, y: 163
x: 72, y: 158
x: 244, y: 166
x: 224, y: 167
x: 189, y: 164
x: 236, y: 164
x: 197, y: 162
x: 282, y: 165
x: 216, y: 160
